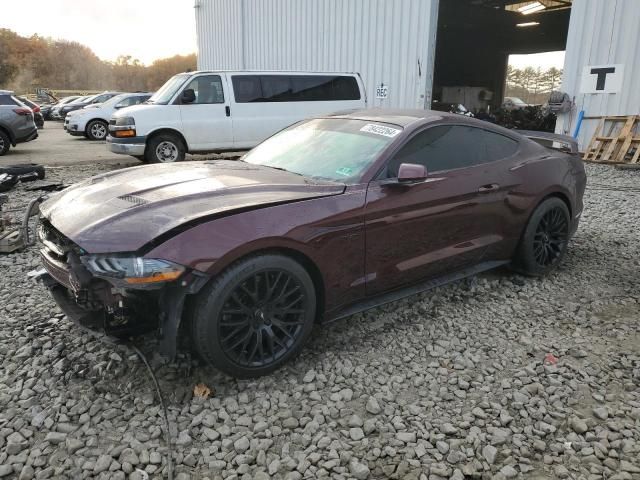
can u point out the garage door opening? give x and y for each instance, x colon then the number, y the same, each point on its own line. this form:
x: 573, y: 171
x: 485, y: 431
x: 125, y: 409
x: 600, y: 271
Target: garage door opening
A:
x: 475, y: 40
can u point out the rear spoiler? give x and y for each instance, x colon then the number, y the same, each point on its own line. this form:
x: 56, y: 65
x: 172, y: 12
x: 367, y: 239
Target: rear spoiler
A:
x: 550, y: 140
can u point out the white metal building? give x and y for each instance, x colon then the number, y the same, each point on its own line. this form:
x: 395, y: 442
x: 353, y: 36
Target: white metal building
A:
x: 412, y: 51
x: 377, y: 38
x: 602, y: 35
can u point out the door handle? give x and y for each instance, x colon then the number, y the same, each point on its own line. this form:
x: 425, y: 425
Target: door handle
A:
x: 227, y: 110
x: 492, y: 187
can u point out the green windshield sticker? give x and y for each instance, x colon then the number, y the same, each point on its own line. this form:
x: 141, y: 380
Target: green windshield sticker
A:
x: 344, y: 171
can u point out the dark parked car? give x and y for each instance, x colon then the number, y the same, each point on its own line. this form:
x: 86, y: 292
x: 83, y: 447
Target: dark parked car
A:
x: 16, y: 122
x: 324, y: 219
x: 35, y: 108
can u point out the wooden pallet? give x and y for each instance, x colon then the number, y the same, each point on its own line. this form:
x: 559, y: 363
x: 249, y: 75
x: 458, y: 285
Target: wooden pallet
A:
x: 616, y: 140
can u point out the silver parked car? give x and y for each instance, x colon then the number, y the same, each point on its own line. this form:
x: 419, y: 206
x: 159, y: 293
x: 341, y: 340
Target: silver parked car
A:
x: 16, y: 122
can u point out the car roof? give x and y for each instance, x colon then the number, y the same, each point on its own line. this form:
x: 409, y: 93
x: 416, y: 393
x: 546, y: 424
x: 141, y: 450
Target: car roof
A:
x: 6, y: 92
x: 402, y: 117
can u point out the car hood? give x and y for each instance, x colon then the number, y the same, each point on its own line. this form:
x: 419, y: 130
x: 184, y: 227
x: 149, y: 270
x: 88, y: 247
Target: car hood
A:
x: 123, y: 211
x: 133, y: 109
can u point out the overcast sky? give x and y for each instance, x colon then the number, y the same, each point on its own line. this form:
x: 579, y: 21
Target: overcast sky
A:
x: 144, y: 29
x: 542, y: 60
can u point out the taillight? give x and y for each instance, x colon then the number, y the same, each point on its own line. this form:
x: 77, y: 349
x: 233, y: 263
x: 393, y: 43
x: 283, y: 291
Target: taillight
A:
x: 22, y: 111
x: 36, y: 109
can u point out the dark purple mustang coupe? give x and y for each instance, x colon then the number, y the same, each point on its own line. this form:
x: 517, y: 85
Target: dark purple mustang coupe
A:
x: 326, y: 218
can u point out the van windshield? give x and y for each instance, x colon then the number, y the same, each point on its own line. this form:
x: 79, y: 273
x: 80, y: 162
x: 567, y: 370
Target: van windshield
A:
x: 169, y: 89
x: 334, y: 149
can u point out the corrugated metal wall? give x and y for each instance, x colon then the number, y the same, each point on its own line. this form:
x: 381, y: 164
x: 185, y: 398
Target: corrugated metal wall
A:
x: 389, y: 42
x: 602, y: 32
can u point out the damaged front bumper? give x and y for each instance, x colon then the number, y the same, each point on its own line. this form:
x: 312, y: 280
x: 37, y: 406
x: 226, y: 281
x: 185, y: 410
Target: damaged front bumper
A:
x: 108, y: 307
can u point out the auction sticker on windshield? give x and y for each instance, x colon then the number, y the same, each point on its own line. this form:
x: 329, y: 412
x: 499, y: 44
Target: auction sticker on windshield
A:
x: 380, y: 130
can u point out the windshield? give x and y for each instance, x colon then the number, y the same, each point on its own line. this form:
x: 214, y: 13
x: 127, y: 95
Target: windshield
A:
x: 78, y: 100
x: 168, y: 90
x: 115, y: 100
x: 88, y: 99
x: 335, y: 149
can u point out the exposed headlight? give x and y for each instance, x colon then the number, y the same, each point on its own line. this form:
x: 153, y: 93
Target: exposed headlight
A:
x: 133, y: 270
x: 124, y: 127
x: 125, y: 121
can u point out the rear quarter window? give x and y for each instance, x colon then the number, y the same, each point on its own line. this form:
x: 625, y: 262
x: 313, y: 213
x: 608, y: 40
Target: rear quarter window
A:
x: 498, y: 146
x: 7, y: 100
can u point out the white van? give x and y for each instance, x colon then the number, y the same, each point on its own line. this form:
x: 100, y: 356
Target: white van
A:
x: 200, y: 112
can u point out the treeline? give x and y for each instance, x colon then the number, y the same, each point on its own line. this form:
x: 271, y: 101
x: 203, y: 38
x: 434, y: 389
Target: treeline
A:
x: 27, y: 63
x: 533, y: 85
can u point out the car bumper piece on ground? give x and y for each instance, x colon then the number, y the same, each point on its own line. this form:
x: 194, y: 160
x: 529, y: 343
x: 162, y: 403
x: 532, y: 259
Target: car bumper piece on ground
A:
x: 130, y: 146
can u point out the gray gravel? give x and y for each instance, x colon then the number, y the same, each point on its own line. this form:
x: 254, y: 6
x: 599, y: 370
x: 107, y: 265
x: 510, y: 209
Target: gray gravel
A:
x: 456, y: 383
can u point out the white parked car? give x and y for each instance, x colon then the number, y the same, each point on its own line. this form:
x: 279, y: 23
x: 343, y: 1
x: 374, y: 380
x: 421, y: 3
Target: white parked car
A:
x: 230, y: 110
x: 513, y: 103
x: 92, y: 121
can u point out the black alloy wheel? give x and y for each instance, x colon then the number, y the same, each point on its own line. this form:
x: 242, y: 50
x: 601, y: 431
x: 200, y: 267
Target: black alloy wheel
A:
x: 262, y: 317
x: 255, y: 315
x: 545, y: 238
x: 550, y: 239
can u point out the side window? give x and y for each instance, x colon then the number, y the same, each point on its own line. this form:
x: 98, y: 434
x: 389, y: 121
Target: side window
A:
x: 7, y: 100
x: 446, y: 147
x: 247, y: 88
x: 346, y: 88
x: 135, y: 100
x: 208, y: 89
x: 311, y: 88
x: 498, y: 146
x: 317, y: 88
x: 276, y: 88
x: 294, y: 88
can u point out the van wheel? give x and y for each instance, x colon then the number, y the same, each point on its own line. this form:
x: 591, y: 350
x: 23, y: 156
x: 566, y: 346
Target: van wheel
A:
x: 97, y: 130
x: 5, y: 143
x: 165, y: 148
x: 544, y: 242
x: 255, y: 316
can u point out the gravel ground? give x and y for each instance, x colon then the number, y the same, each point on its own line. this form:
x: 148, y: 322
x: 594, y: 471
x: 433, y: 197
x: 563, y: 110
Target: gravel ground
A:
x: 498, y: 376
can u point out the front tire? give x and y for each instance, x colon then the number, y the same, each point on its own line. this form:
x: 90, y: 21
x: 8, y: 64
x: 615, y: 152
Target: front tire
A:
x: 544, y: 242
x: 5, y: 143
x: 97, y: 130
x: 255, y: 316
x: 165, y: 148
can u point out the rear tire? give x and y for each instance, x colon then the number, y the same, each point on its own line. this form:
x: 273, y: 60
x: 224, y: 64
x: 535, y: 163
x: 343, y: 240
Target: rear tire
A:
x: 5, y: 143
x: 544, y: 242
x: 255, y: 316
x: 165, y: 148
x: 97, y: 130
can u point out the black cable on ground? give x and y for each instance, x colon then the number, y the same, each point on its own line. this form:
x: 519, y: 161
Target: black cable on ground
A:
x: 164, y: 409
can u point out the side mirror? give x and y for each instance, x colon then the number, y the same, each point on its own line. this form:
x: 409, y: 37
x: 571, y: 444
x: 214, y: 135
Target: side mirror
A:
x: 120, y: 105
x: 411, y: 173
x: 188, y: 96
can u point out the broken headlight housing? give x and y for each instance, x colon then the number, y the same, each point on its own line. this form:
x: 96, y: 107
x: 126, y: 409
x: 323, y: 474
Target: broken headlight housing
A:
x: 133, y: 270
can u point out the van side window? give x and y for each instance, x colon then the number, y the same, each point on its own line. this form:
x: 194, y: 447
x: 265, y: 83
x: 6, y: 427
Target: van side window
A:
x: 276, y: 88
x: 208, y: 89
x: 294, y: 88
x: 247, y: 88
